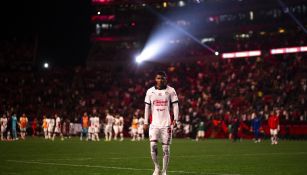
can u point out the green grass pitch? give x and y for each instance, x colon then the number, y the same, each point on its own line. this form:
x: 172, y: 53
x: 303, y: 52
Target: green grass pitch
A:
x: 36, y: 156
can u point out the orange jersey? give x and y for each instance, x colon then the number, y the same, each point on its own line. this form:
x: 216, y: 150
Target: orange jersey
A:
x: 23, y: 122
x: 85, y: 122
x: 135, y: 123
x: 45, y: 124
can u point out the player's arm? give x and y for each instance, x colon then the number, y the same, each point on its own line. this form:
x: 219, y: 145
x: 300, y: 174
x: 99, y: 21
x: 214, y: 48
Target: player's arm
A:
x: 174, y: 101
x: 147, y: 110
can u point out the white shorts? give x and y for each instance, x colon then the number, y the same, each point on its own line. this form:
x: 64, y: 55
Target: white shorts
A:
x: 134, y: 131
x: 108, y: 129
x: 201, y: 133
x: 3, y: 129
x: 91, y: 129
x: 116, y: 129
x: 141, y: 130
x: 160, y: 134
x: 96, y: 129
x: 57, y: 130
x: 273, y: 131
x: 23, y: 129
x: 120, y: 129
x: 50, y: 129
x: 45, y: 129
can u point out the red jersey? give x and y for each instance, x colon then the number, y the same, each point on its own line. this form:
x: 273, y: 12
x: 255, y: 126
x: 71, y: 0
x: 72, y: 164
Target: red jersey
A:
x: 273, y: 122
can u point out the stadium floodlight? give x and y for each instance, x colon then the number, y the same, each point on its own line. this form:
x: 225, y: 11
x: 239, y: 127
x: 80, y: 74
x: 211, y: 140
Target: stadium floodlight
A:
x: 242, y: 54
x: 288, y: 50
x: 216, y: 53
x: 46, y: 65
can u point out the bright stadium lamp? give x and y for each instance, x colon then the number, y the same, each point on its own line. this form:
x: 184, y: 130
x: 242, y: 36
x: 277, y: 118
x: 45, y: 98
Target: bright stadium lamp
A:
x: 46, y: 65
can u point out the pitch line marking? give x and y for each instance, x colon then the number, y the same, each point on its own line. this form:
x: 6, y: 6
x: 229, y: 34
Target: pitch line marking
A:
x: 111, y: 167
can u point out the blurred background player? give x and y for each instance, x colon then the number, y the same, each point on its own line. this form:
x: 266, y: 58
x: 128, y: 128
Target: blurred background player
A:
x: 51, y: 127
x: 58, y: 127
x: 108, y: 127
x: 13, y: 126
x: 91, y: 129
x: 134, y: 128
x: 158, y: 102
x: 23, y: 121
x: 116, y: 126
x: 45, y: 126
x: 121, y: 128
x: 235, y: 128
x: 96, y: 128
x: 200, y: 131
x: 34, y: 126
x: 84, y: 125
x: 3, y: 123
x: 140, y: 132
x: 256, y: 125
x: 274, y: 127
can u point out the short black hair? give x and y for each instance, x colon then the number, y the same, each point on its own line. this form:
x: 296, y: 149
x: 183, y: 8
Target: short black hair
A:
x: 162, y: 73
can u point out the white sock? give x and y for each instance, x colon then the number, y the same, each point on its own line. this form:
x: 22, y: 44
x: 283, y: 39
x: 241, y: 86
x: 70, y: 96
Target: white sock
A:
x: 154, y: 154
x: 166, y: 153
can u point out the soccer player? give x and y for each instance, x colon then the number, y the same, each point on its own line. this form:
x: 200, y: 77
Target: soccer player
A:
x: 45, y: 126
x: 200, y: 131
x: 158, y: 101
x: 91, y: 128
x: 141, y: 129
x: 96, y: 128
x: 116, y: 126
x: 51, y: 127
x: 14, y: 127
x: 274, y: 127
x: 85, y: 125
x: 108, y: 127
x: 121, y: 128
x: 3, y: 123
x: 134, y: 128
x: 23, y: 121
x: 256, y: 125
x: 58, y: 127
x: 34, y: 126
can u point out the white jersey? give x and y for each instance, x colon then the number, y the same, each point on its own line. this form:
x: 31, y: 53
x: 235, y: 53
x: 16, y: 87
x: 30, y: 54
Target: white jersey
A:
x: 3, y: 122
x: 160, y: 102
x: 96, y: 124
x: 141, y: 122
x: 116, y: 122
x: 58, y: 122
x: 121, y: 121
x: 57, y: 125
x: 51, y: 123
x: 92, y: 122
x: 110, y: 119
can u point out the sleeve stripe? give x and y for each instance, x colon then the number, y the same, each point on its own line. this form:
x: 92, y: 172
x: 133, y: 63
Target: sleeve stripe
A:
x: 147, y: 103
x: 175, y: 102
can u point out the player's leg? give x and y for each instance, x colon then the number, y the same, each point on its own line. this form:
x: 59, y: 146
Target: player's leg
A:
x: 166, y: 134
x: 154, y: 137
x: 81, y: 134
x: 121, y: 133
x: 275, y: 136
x: 2, y: 133
x: 272, y: 136
x: 110, y: 133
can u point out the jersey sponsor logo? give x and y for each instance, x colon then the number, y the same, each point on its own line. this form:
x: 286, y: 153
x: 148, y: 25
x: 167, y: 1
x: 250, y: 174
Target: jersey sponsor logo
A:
x: 160, y: 103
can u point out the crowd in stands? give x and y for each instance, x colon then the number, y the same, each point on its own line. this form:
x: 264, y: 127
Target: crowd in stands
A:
x: 209, y: 91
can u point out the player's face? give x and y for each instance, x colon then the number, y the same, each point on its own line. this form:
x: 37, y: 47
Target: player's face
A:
x: 160, y: 80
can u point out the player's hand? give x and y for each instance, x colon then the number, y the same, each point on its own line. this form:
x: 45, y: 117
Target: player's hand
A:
x: 175, y: 123
x: 145, y: 127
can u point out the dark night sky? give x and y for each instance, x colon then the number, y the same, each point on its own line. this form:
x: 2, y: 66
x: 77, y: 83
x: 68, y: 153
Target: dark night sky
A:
x: 62, y: 27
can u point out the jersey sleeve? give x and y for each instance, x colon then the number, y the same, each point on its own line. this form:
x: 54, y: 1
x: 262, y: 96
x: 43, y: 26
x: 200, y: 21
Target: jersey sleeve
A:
x: 174, y: 97
x: 147, y: 97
